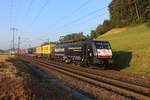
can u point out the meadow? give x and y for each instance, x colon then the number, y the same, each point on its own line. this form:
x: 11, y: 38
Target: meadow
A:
x: 131, y: 48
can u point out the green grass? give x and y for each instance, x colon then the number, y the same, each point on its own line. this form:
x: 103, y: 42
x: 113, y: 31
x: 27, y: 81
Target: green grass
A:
x: 131, y: 49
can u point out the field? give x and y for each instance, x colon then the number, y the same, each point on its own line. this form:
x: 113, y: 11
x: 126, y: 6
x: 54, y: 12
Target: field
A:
x: 19, y: 82
x: 131, y: 48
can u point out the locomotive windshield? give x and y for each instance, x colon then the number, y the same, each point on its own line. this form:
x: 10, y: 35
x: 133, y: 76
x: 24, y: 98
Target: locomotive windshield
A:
x: 102, y: 45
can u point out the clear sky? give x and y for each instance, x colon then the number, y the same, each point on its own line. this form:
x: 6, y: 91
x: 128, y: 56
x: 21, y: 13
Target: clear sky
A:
x: 42, y: 20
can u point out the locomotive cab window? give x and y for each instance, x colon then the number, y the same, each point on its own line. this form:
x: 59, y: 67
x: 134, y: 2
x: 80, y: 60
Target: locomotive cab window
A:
x: 102, y: 45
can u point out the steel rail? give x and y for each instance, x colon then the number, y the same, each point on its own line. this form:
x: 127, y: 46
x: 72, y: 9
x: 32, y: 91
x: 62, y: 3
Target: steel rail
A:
x: 122, y: 84
x: 119, y: 87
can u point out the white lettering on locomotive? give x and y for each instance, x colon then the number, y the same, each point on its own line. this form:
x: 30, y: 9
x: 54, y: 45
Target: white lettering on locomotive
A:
x: 78, y: 49
x: 59, y: 49
x: 74, y: 48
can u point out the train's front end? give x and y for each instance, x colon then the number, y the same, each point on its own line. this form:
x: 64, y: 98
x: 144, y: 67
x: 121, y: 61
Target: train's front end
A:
x: 103, y: 52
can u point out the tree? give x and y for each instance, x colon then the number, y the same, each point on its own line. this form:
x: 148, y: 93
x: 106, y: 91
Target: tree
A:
x: 74, y: 36
x: 148, y: 11
x: 107, y: 25
x: 93, y: 34
x: 99, y: 30
x: 125, y: 12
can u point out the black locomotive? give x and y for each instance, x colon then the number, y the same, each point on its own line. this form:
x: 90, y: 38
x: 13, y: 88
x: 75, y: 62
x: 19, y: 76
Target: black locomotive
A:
x: 87, y: 52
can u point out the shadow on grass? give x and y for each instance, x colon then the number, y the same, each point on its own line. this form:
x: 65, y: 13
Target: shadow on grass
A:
x: 121, y: 59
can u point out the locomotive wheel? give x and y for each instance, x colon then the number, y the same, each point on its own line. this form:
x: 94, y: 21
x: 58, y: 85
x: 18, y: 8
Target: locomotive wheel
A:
x: 88, y: 63
x: 67, y: 61
x: 83, y: 64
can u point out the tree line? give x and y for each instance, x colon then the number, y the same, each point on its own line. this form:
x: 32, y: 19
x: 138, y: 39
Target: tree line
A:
x: 73, y: 36
x: 122, y: 13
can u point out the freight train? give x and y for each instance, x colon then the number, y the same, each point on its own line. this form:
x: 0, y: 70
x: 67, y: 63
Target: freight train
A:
x: 85, y: 52
x: 44, y: 50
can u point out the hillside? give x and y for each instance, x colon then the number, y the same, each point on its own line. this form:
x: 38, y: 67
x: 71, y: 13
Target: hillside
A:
x: 131, y: 47
x: 2, y: 51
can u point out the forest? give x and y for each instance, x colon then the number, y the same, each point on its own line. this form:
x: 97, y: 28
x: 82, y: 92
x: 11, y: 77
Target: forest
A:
x: 122, y: 13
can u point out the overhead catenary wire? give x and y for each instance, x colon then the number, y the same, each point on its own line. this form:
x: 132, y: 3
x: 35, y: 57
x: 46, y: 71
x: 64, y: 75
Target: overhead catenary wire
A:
x: 11, y: 13
x: 81, y: 6
x: 28, y: 9
x: 26, y: 42
x: 80, y: 18
x: 87, y: 20
x: 11, y: 27
x: 74, y: 11
x: 40, y: 11
x: 29, y: 6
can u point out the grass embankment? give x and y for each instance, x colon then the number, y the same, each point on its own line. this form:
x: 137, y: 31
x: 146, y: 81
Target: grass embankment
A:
x: 131, y: 47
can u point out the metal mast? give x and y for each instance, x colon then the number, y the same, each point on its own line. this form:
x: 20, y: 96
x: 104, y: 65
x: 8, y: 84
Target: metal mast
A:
x: 14, y: 30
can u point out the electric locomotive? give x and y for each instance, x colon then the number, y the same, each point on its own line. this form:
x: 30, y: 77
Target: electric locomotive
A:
x: 86, y: 52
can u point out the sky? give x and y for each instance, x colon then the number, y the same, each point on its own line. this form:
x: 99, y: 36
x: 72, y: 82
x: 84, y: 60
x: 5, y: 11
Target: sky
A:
x: 39, y: 21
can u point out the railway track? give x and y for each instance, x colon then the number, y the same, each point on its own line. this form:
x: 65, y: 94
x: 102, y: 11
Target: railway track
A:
x: 126, y: 89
